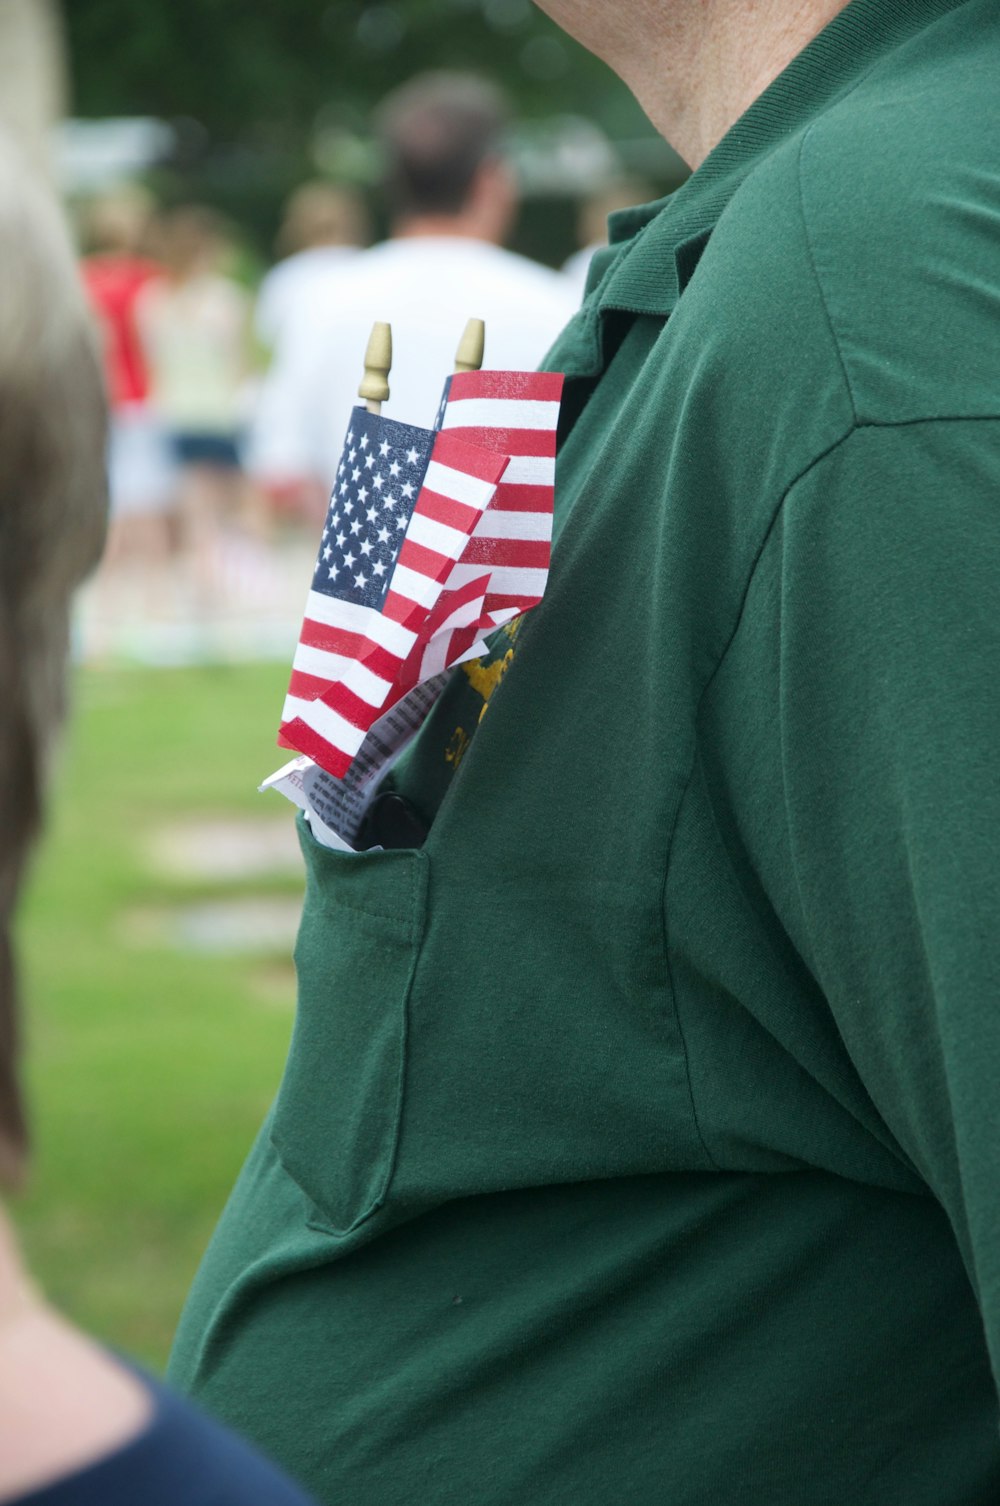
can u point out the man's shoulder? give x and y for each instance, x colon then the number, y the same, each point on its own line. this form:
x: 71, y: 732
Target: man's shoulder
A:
x: 435, y: 258
x: 913, y: 138
x: 522, y: 268
x: 335, y: 286
x: 476, y: 260
x: 422, y: 277
x: 885, y: 211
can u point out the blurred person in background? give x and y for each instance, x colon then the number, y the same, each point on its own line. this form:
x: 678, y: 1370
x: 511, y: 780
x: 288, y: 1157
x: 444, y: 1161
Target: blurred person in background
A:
x: 195, y: 325
x: 592, y: 225
x: 452, y: 199
x: 77, y: 1426
x: 116, y: 268
x: 323, y: 228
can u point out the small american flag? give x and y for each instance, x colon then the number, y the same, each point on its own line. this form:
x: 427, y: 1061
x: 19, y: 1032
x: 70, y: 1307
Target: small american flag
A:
x: 425, y: 550
x: 403, y: 507
x: 516, y: 412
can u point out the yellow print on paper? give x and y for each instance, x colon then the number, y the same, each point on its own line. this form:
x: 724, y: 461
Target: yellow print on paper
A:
x: 484, y: 675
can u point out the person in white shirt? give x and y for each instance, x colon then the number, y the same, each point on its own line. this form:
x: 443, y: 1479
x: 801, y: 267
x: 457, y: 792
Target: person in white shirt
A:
x: 452, y: 199
x: 194, y: 323
x: 324, y: 227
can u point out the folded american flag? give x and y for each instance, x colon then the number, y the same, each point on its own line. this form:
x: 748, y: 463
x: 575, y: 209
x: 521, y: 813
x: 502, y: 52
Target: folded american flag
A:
x: 433, y: 538
x: 515, y: 412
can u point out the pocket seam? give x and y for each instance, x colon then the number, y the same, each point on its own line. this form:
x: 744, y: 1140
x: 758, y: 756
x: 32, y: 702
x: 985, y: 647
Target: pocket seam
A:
x: 383, y: 915
x: 413, y: 936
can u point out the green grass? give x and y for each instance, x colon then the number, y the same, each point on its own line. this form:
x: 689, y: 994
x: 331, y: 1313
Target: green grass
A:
x: 149, y: 1070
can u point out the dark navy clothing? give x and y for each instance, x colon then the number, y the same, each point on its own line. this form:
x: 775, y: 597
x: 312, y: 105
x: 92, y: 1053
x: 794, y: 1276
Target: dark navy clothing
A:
x: 221, y: 450
x: 180, y: 1458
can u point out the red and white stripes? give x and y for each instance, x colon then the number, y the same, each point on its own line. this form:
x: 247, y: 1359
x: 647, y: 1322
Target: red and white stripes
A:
x: 516, y: 412
x: 474, y: 554
x: 350, y: 659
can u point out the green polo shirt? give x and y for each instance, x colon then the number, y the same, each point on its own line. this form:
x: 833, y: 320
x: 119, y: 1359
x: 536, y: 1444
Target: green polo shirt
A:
x: 640, y: 1136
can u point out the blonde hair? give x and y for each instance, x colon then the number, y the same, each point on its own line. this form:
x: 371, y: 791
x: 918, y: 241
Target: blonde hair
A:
x: 119, y: 222
x: 323, y: 214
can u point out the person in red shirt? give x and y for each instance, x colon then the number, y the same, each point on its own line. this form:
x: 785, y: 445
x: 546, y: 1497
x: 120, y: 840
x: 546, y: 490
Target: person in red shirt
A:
x: 142, y: 477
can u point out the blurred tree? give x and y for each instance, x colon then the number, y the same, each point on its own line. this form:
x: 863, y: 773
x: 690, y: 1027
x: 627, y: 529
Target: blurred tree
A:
x: 263, y: 95
x: 268, y: 72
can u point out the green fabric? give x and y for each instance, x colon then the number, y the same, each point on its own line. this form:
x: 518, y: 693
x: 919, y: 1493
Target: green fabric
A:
x: 640, y: 1136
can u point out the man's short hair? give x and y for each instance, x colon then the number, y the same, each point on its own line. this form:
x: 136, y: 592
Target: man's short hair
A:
x: 436, y: 132
x: 52, y: 518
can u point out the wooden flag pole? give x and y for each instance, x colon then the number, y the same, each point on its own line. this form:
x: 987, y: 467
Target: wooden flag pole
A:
x: 469, y: 355
x: 374, y: 388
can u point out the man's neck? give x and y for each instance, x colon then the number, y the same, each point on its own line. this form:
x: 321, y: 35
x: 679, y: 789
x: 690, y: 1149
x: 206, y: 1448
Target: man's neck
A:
x: 462, y: 227
x: 695, y: 66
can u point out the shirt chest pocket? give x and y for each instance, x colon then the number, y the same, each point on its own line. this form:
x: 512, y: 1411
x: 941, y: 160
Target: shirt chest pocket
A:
x: 337, y: 1115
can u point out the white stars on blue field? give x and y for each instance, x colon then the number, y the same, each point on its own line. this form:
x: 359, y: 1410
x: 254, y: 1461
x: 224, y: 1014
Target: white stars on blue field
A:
x: 366, y: 522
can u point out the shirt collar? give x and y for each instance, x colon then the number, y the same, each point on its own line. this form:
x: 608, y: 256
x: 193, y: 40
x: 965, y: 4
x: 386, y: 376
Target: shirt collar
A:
x: 654, y: 248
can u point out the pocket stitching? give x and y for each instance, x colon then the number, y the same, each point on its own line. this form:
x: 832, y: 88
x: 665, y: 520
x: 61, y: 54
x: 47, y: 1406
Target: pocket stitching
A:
x: 345, y: 904
x: 417, y: 884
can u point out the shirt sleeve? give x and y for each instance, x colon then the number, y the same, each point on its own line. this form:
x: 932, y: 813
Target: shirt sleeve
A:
x: 890, y: 746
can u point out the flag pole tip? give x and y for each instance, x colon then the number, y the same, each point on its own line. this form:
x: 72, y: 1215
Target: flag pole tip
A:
x: 469, y: 355
x: 374, y: 387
